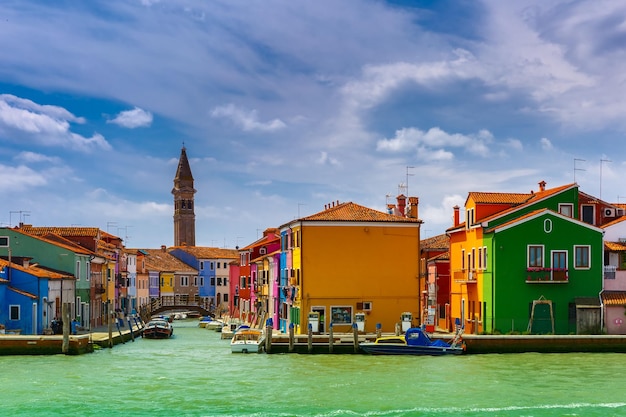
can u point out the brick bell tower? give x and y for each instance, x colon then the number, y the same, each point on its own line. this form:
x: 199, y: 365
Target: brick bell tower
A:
x: 184, y: 215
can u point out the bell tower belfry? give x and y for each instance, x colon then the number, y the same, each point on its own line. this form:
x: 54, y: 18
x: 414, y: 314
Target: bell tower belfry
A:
x: 184, y: 215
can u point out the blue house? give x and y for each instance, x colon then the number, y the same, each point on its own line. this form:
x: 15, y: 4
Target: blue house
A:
x: 212, y: 265
x: 26, y: 292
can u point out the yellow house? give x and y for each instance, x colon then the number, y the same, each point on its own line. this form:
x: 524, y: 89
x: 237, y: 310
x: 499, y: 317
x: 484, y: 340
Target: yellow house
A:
x: 350, y: 265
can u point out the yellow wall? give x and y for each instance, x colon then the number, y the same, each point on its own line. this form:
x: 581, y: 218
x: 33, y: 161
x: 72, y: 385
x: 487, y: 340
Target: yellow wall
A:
x: 166, y: 283
x: 354, y: 262
x: 462, y: 243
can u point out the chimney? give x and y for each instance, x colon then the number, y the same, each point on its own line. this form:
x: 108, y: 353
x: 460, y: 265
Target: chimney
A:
x: 401, y: 205
x: 542, y: 186
x: 413, y: 202
x: 163, y: 248
x: 456, y: 216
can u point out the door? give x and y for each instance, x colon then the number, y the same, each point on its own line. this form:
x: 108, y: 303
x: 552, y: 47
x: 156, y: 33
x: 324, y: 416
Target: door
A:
x: 559, y: 265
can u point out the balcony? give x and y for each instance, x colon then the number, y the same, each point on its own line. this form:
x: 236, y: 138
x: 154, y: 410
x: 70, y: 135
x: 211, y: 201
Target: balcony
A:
x: 609, y: 271
x: 546, y: 276
x: 465, y: 276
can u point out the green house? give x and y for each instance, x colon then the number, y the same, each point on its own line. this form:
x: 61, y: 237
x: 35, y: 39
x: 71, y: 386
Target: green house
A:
x: 548, y: 267
x: 528, y: 262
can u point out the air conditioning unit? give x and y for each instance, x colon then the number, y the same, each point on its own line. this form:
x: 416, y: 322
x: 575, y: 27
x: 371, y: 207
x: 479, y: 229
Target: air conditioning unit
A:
x: 364, y: 306
x: 609, y: 212
x: 620, y: 212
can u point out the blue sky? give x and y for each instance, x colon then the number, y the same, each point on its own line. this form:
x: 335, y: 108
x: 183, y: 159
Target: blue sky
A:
x: 286, y: 106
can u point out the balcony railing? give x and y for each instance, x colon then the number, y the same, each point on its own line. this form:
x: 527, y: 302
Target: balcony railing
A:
x: 609, y: 271
x: 465, y: 275
x: 547, y: 275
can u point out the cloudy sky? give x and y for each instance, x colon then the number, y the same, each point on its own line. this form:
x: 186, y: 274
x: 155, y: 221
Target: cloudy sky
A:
x: 285, y: 106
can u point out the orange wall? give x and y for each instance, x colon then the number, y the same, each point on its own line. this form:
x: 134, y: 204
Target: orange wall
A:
x: 348, y: 263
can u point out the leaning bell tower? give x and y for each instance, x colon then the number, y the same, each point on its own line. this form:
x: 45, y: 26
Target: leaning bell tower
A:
x: 184, y: 215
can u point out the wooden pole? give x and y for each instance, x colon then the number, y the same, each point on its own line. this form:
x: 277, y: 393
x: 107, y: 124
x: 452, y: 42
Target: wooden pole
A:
x: 65, y: 313
x: 331, y: 339
x: 378, y: 329
x: 130, y: 326
x: 269, y: 327
x: 110, y: 324
x: 355, y: 332
x: 291, y: 336
x: 310, y: 338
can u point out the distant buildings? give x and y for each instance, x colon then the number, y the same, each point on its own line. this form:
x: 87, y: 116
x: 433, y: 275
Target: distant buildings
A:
x: 551, y: 260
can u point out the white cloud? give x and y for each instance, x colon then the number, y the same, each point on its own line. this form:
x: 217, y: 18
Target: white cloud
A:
x: 247, y: 120
x: 546, y: 145
x: 324, y: 159
x: 433, y: 143
x: 133, y: 118
x: 35, y: 157
x: 45, y: 125
x: 19, y: 178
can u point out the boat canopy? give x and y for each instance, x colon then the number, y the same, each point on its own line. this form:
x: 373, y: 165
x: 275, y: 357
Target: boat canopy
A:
x: 415, y: 336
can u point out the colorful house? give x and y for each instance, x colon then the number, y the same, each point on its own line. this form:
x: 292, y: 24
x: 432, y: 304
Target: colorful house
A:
x: 614, y: 288
x: 177, y: 281
x: 212, y: 265
x: 350, y: 265
x: 32, y: 296
x: 435, y: 259
x: 527, y: 262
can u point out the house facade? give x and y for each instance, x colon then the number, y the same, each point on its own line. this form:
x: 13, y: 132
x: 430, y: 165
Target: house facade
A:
x: 350, y: 262
x: 528, y: 262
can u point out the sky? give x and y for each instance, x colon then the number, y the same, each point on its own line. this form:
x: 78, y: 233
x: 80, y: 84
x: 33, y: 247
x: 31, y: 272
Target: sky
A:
x: 286, y: 106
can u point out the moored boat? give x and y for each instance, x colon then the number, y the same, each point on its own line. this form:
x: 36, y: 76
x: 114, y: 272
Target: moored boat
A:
x: 414, y: 342
x: 247, y: 340
x: 158, y: 329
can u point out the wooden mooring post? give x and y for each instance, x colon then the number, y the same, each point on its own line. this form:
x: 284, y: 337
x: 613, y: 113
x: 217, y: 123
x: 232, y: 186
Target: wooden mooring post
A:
x: 355, y: 332
x: 310, y: 339
x: 291, y: 337
x: 269, y: 327
x: 331, y: 339
x: 379, y: 330
x: 65, y: 314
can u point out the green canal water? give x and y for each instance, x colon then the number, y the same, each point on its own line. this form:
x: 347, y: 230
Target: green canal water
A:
x: 195, y: 374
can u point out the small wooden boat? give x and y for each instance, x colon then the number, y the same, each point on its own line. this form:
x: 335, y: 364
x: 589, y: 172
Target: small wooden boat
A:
x: 247, y: 340
x: 158, y: 329
x: 414, y: 342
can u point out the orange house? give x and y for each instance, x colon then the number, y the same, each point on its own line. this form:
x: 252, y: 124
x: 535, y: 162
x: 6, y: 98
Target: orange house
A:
x: 350, y: 265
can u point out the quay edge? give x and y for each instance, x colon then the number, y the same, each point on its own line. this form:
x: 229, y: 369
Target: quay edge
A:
x: 44, y: 345
x: 474, y: 344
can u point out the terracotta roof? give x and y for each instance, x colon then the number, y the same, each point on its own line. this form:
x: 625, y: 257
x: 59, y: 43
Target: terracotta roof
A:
x: 57, y: 240
x: 159, y: 260
x: 61, y: 231
x: 441, y: 257
x: 204, y: 252
x: 36, y: 271
x: 436, y: 242
x: 615, y: 246
x: 614, y: 298
x: 351, y: 212
x: 498, y: 198
x: 615, y: 221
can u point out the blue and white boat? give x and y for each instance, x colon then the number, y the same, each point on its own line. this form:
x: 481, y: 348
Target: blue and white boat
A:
x: 414, y: 342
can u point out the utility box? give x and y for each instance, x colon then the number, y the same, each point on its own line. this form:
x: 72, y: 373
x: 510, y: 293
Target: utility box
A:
x: 359, y: 319
x: 406, y: 320
x: 314, y: 321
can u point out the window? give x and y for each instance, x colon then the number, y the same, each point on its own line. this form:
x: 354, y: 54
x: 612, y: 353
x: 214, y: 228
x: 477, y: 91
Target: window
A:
x: 341, y: 314
x: 225, y: 282
x: 588, y: 214
x: 219, y: 281
x: 77, y: 273
x: 201, y: 281
x: 184, y: 281
x: 225, y: 298
x: 581, y: 257
x: 14, y: 312
x: 566, y: 209
x: 469, y: 218
x: 4, y: 241
x: 212, y: 281
x: 480, y: 258
x: 535, y: 256
x: 463, y: 259
x: 201, y: 265
x: 211, y: 266
x: 485, y: 257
